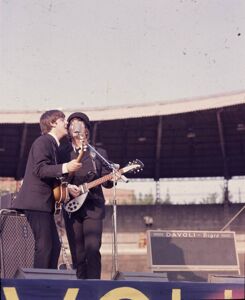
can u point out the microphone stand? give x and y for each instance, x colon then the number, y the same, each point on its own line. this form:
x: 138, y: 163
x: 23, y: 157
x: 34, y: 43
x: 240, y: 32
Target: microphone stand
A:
x: 114, y: 215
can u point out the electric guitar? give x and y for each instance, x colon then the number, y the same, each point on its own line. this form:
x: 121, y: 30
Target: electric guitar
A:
x: 74, y: 204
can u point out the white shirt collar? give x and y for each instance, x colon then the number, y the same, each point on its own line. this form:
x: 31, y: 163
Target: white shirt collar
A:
x: 75, y: 148
x: 55, y: 137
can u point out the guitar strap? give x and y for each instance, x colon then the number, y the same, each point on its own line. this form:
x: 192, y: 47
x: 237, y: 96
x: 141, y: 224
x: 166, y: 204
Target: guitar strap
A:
x: 64, y: 254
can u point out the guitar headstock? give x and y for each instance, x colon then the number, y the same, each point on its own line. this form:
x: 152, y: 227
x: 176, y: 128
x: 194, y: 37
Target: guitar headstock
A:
x: 135, y: 166
x: 83, y: 142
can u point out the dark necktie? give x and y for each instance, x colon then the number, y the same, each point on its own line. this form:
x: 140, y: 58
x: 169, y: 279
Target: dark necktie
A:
x: 77, y: 150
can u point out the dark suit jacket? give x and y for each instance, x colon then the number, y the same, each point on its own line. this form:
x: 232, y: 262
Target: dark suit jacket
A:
x: 94, y: 205
x: 36, y: 192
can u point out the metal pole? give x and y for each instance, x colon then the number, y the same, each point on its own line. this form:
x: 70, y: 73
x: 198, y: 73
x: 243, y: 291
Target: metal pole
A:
x: 114, y: 226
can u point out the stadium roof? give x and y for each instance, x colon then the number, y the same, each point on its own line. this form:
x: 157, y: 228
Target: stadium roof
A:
x: 202, y: 137
x: 135, y: 111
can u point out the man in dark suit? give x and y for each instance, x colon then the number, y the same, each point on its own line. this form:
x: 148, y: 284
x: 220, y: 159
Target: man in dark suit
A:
x: 36, y: 197
x: 84, y: 226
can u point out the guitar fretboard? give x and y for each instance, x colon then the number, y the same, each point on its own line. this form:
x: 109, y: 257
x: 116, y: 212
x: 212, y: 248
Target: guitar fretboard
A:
x: 101, y: 180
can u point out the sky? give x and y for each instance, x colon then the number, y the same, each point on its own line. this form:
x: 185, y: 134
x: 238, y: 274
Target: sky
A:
x: 74, y: 54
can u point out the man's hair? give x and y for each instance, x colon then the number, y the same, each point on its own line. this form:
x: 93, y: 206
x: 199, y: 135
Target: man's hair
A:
x: 50, y: 116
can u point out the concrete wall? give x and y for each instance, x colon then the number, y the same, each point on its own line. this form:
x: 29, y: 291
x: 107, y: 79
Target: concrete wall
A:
x: 130, y: 218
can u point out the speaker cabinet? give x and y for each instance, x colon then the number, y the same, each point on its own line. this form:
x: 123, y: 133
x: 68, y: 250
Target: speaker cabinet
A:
x: 16, y: 243
x: 141, y: 276
x: 30, y: 273
x: 8, y: 201
x: 187, y: 250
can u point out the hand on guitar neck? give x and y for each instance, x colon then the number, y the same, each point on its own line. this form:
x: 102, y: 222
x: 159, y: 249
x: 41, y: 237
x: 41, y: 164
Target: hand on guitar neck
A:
x: 73, y: 165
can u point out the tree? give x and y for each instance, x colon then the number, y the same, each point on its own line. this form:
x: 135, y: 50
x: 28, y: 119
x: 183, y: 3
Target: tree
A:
x: 167, y: 199
x: 146, y: 199
x: 211, y: 198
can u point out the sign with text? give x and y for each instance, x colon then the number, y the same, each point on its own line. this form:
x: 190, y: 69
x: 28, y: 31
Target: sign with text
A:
x: 20, y: 289
x: 178, y: 250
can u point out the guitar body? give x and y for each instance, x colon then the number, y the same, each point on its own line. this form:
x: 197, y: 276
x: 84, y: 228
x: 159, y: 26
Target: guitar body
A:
x: 76, y: 203
x: 60, y: 192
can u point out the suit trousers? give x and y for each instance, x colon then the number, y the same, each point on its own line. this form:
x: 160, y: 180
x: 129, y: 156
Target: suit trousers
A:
x: 47, y: 243
x: 84, y: 236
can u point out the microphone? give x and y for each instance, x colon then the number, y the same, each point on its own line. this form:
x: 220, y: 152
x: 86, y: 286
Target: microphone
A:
x: 76, y: 129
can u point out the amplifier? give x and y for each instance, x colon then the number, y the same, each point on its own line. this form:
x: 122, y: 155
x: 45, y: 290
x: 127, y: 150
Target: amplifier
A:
x: 16, y: 243
x: 192, y: 255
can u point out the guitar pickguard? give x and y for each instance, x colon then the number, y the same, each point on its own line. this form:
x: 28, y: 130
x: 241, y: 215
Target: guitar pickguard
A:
x: 76, y: 203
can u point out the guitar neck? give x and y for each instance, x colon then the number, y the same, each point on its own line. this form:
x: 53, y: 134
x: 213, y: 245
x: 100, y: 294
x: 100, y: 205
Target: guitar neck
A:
x: 101, y: 180
x: 79, y: 158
